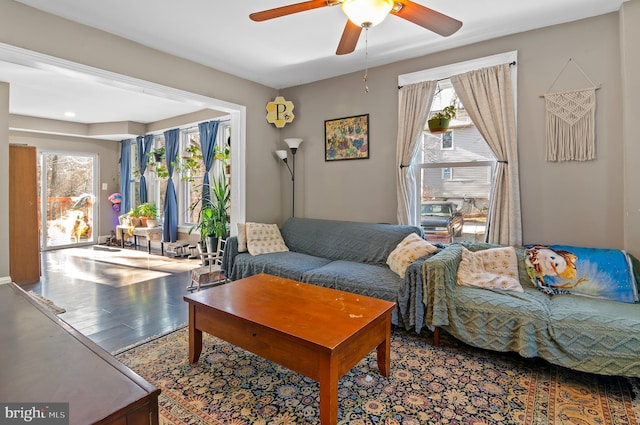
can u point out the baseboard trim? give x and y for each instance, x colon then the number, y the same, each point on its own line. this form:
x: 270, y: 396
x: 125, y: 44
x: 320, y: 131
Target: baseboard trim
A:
x: 5, y: 279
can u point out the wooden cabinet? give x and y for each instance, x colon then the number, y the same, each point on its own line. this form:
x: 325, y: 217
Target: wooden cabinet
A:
x: 45, y: 360
x: 24, y: 239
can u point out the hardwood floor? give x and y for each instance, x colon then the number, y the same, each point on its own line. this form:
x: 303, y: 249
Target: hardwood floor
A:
x: 116, y: 297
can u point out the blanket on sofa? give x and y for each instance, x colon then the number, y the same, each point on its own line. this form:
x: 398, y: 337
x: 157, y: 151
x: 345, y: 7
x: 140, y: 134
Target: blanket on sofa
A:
x: 593, y: 272
x: 583, y: 333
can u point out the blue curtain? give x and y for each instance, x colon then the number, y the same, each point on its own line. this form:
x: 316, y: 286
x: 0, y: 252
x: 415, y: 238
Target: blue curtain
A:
x: 208, y: 135
x: 170, y: 229
x: 125, y: 175
x: 144, y: 147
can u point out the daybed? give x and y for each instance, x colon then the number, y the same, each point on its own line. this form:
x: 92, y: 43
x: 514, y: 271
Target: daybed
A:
x: 347, y: 256
x: 578, y: 332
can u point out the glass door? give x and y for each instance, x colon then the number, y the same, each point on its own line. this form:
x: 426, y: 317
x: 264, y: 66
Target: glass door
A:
x: 67, y: 188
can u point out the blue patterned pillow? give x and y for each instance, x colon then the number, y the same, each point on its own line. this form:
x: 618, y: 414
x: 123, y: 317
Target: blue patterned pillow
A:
x: 593, y: 272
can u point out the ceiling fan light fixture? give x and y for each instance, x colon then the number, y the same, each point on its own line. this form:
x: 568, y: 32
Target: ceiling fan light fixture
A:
x: 367, y: 13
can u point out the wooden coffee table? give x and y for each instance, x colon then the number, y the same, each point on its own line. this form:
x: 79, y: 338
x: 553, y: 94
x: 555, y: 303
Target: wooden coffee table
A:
x: 318, y: 332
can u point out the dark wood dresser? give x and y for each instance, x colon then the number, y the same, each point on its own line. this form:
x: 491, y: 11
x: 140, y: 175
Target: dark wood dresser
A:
x: 44, y: 360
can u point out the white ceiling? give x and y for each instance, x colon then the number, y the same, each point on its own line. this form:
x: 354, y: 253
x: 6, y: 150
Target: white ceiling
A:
x: 283, y: 52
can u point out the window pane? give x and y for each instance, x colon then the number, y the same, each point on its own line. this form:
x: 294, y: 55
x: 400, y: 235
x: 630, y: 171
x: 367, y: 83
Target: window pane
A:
x: 192, y: 179
x: 447, y: 140
x: 454, y: 210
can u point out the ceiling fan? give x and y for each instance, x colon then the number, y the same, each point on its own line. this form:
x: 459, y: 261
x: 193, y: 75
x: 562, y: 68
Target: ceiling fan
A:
x: 366, y: 14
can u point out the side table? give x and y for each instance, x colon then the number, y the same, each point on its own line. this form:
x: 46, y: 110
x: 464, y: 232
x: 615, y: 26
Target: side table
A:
x: 150, y: 233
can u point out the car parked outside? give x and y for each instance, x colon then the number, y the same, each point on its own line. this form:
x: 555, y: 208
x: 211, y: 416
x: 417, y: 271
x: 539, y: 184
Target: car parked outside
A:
x: 441, y: 221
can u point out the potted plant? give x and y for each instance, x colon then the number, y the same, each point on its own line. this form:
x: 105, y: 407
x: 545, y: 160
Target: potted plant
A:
x: 189, y: 164
x: 220, y: 205
x: 158, y: 154
x: 439, y: 122
x: 148, y: 214
x: 223, y: 154
x: 214, y: 215
x: 134, y: 217
x: 156, y: 164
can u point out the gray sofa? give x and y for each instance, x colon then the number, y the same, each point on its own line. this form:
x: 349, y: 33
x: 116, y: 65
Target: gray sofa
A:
x: 347, y: 256
x: 587, y: 334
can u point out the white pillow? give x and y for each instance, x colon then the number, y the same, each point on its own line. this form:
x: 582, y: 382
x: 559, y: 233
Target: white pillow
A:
x: 264, y: 239
x: 408, y: 250
x: 502, y: 261
x: 495, y: 268
x: 242, y: 237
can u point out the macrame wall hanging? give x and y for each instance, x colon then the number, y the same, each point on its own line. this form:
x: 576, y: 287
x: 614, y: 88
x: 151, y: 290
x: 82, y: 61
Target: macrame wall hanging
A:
x: 570, y: 121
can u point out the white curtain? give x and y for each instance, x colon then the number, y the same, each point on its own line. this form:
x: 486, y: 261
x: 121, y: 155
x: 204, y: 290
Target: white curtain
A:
x: 414, y: 102
x: 487, y: 96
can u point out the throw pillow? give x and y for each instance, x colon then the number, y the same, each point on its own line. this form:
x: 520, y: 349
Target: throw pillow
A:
x: 593, y: 272
x: 497, y: 273
x: 242, y: 237
x: 501, y: 260
x: 264, y: 239
x: 407, y: 251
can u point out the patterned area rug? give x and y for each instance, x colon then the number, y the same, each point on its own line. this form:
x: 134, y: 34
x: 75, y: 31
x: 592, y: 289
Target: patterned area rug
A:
x: 450, y: 384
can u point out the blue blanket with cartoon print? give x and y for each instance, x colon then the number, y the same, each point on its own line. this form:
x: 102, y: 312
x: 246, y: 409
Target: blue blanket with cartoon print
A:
x: 593, y: 272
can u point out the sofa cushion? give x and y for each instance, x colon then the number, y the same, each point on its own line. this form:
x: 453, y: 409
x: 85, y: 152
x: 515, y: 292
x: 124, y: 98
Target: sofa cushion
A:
x: 264, y: 239
x: 345, y: 240
x: 290, y: 265
x: 365, y: 279
x: 600, y: 273
x: 495, y: 268
x: 409, y: 250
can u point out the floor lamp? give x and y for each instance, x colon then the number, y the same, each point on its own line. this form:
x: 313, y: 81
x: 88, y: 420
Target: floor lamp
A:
x: 294, y: 144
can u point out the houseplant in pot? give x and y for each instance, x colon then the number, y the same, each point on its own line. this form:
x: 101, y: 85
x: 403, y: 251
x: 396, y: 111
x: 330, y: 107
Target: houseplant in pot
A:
x: 156, y: 162
x: 148, y: 214
x: 439, y: 122
x: 214, y: 215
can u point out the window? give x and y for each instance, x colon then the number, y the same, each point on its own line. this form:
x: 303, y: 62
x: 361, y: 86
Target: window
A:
x: 447, y: 173
x: 190, y: 192
x: 447, y: 140
x: 188, y: 175
x: 456, y: 173
x: 134, y: 181
x: 459, y: 173
x: 192, y: 182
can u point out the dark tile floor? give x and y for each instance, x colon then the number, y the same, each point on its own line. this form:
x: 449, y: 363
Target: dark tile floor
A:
x: 116, y: 297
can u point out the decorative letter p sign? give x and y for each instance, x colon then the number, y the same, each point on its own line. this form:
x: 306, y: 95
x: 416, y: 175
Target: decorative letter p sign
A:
x: 280, y: 112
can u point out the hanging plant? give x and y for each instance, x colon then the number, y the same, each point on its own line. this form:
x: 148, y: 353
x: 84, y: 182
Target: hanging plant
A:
x: 156, y: 163
x: 158, y: 154
x: 439, y: 122
x: 190, y: 164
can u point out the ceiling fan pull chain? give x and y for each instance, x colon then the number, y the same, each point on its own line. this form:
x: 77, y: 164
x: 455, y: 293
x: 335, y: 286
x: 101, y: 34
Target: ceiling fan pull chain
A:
x: 366, y: 57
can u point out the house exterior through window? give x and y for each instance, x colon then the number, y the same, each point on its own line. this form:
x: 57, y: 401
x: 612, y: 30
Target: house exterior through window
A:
x: 455, y: 176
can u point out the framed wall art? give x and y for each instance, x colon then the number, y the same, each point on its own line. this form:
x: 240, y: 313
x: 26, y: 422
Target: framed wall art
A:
x: 346, y: 138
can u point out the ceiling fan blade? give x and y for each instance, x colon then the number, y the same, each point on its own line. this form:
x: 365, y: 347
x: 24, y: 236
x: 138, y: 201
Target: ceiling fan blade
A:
x: 288, y: 10
x: 427, y: 18
x: 349, y: 38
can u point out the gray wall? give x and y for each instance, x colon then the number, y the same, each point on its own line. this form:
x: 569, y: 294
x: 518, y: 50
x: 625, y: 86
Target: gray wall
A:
x: 630, y: 54
x: 580, y: 203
